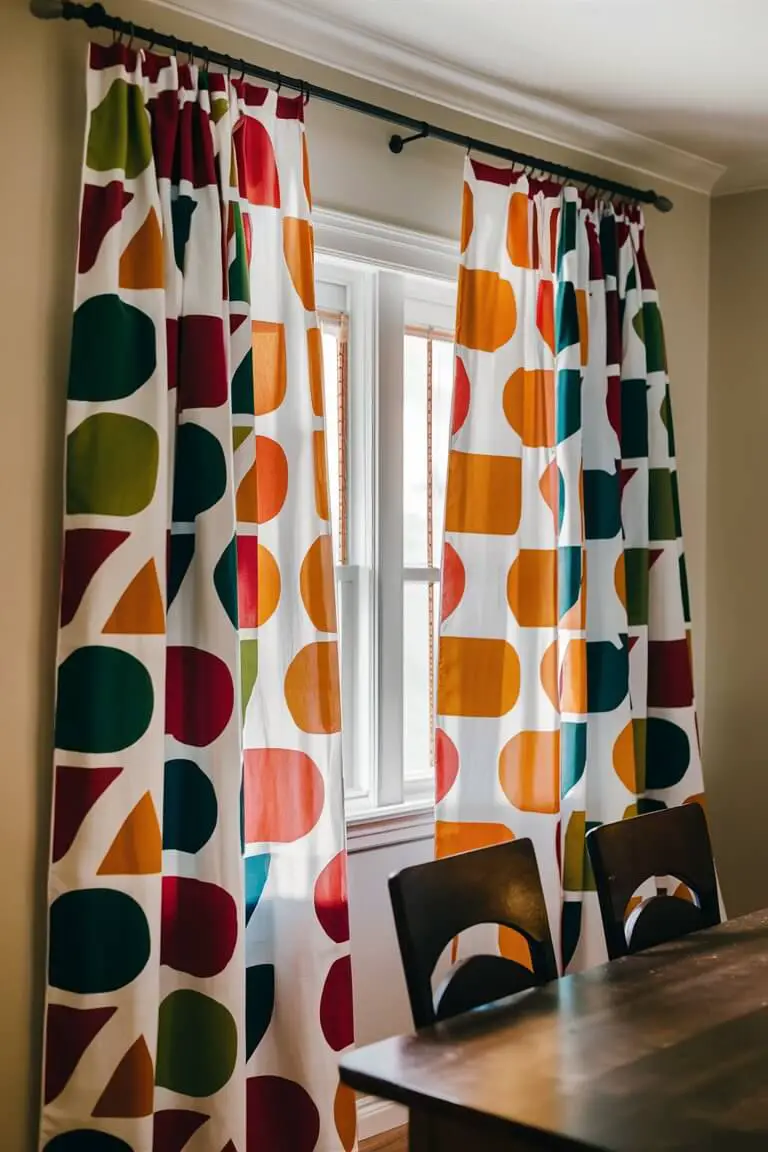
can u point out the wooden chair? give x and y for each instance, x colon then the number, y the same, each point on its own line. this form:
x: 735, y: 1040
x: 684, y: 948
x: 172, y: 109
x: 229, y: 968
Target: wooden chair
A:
x: 672, y: 842
x: 433, y: 903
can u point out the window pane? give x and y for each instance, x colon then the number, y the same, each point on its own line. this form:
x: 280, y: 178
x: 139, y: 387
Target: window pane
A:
x: 442, y: 397
x: 420, y: 606
x: 347, y: 671
x: 427, y: 394
x: 415, y: 452
x: 335, y: 387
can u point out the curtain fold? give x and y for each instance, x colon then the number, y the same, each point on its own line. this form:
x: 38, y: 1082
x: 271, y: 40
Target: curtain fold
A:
x: 199, y: 974
x: 565, y: 694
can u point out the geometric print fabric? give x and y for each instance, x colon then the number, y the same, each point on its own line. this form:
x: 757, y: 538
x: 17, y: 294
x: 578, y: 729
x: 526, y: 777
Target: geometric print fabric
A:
x: 199, y: 983
x: 565, y: 695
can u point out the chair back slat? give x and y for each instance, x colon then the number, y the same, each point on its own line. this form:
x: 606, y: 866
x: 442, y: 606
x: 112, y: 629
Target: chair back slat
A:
x: 434, y: 903
x: 672, y: 842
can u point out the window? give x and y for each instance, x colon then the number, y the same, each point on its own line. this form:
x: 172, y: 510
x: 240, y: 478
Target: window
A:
x: 388, y: 361
x: 428, y: 376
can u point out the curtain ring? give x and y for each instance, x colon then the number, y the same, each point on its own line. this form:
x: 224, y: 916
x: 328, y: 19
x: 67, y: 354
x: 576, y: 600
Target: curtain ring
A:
x: 279, y: 83
x: 132, y: 32
x: 305, y: 92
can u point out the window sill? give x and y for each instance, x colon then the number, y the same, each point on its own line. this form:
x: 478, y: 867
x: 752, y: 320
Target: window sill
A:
x: 386, y: 827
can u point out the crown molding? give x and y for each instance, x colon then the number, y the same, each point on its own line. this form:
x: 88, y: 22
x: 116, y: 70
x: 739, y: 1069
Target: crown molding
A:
x: 349, y: 48
x: 749, y: 176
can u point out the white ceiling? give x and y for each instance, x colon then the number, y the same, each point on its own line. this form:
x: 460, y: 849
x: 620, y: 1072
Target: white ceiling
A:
x: 678, y: 87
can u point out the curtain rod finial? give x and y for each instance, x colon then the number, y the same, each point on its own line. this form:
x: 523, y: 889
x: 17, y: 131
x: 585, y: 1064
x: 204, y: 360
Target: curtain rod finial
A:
x: 47, y: 9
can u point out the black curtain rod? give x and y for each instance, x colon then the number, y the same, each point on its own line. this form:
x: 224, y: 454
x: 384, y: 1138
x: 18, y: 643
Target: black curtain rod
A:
x: 96, y: 16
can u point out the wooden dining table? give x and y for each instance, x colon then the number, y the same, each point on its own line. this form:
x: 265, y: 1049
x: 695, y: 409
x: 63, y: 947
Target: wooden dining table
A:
x: 666, y: 1050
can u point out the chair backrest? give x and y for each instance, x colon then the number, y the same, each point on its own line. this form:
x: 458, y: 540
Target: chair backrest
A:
x: 671, y: 842
x: 434, y: 902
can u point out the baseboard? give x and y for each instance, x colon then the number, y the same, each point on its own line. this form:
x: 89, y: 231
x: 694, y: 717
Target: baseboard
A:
x: 377, y: 1116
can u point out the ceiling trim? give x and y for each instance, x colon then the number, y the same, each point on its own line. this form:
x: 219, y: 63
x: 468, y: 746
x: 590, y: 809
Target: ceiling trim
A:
x: 741, y: 185
x: 351, y: 49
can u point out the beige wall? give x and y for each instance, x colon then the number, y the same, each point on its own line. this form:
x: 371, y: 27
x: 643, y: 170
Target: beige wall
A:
x: 737, y: 554
x: 41, y: 126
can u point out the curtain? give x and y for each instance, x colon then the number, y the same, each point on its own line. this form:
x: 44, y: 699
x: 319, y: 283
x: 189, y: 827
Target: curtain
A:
x: 199, y: 976
x: 565, y: 693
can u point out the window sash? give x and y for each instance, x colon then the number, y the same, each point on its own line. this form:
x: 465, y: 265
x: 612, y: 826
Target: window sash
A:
x: 383, y: 305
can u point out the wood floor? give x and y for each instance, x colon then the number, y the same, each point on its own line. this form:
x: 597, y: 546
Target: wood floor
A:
x: 395, y: 1141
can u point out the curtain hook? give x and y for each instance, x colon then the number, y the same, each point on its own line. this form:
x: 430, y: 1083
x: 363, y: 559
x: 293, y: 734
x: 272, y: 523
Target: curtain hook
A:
x: 305, y: 92
x: 132, y: 31
x: 279, y: 83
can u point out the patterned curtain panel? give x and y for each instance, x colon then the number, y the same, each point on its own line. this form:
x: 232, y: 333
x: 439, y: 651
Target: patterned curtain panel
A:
x: 199, y: 973
x: 565, y: 693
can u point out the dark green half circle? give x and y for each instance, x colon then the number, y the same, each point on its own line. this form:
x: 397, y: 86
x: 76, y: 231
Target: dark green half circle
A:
x: 607, y: 674
x: 259, y: 1004
x: 668, y: 753
x: 201, y: 472
x: 190, y: 809
x: 105, y: 701
x: 225, y: 581
x: 99, y: 941
x: 113, y: 350
x: 86, y: 1140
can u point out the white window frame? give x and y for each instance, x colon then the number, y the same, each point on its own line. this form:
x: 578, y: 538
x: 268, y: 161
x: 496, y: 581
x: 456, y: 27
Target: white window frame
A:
x: 352, y: 289
x: 398, y: 278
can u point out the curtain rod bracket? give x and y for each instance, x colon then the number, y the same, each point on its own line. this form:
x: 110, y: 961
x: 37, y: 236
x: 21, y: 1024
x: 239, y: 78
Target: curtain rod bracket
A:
x: 47, y: 9
x: 397, y: 143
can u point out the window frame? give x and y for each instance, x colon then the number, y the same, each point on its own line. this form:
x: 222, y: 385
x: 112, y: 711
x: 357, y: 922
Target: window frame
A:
x: 429, y: 315
x: 397, y: 279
